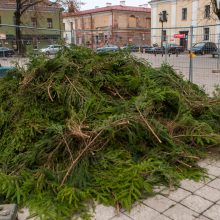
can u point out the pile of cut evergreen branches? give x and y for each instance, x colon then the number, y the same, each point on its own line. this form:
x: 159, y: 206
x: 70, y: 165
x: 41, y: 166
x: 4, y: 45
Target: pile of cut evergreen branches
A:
x: 106, y: 127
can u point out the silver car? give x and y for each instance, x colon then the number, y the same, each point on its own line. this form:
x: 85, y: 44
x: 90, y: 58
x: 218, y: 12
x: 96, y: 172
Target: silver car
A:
x: 51, y: 49
x: 108, y: 48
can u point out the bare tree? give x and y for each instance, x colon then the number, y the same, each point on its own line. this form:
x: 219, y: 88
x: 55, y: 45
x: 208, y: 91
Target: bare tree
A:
x: 24, y: 5
x: 216, y: 7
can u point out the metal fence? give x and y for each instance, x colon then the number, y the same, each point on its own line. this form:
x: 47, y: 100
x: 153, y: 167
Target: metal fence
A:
x: 174, y: 46
x: 196, y: 55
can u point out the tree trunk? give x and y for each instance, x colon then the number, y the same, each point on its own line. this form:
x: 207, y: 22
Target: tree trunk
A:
x: 18, y: 34
x: 216, y: 8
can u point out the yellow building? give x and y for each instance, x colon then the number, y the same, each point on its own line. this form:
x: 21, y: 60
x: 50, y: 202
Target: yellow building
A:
x: 181, y: 14
x: 38, y: 23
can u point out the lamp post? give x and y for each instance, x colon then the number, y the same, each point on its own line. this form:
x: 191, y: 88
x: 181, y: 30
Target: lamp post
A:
x: 162, y: 19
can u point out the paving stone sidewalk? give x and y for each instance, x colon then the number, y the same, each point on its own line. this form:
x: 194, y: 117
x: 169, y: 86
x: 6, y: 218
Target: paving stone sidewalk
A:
x: 193, y: 200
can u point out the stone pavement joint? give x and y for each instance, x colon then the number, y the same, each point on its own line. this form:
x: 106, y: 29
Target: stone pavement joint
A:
x: 197, y: 203
x: 191, y: 185
x: 213, y: 170
x: 180, y: 212
x: 213, y: 213
x: 202, y: 218
x: 209, y: 193
x: 215, y: 184
x: 121, y: 216
x: 178, y: 195
x: 159, y: 203
x: 142, y: 212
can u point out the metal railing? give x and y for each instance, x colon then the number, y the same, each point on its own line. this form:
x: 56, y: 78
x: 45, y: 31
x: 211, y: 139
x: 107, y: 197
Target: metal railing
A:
x: 200, y: 65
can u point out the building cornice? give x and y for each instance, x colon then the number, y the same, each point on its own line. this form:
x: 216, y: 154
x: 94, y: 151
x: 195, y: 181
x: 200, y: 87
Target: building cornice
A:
x: 156, y: 2
x: 108, y: 9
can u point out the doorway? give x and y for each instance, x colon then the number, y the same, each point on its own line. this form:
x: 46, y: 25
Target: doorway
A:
x: 184, y: 41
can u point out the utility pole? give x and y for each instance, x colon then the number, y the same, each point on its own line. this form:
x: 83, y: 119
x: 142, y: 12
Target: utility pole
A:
x: 191, y: 56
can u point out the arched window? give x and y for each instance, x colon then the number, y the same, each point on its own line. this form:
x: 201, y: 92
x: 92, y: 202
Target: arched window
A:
x: 132, y: 21
x: 148, y: 22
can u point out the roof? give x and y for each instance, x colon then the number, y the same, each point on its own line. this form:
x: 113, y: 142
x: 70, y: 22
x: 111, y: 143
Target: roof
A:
x: 108, y: 8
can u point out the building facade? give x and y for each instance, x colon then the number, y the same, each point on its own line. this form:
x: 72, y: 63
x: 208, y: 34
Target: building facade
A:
x: 117, y: 25
x: 42, y: 16
x: 181, y: 14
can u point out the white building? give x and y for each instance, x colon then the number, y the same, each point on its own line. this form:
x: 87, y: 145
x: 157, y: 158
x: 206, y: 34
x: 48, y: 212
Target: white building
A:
x: 181, y: 14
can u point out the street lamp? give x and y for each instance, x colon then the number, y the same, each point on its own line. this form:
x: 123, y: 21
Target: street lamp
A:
x: 162, y: 19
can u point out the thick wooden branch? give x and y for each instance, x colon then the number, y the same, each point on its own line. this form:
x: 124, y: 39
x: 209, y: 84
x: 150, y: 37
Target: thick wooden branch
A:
x: 216, y: 8
x: 25, y: 7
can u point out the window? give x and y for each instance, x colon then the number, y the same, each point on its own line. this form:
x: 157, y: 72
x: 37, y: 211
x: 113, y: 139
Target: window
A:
x: 207, y: 11
x: 148, y: 21
x: 132, y: 21
x: 206, y: 33
x: 34, y: 22
x: 96, y: 39
x: 184, y: 13
x: 106, y: 38
x: 49, y: 23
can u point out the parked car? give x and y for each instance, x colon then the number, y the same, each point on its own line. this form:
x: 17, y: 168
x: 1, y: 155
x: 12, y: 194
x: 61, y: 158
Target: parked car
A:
x: 204, y: 48
x: 6, y: 52
x: 4, y: 70
x: 169, y: 48
x: 173, y: 48
x: 216, y: 53
x: 131, y: 47
x: 146, y: 48
x: 156, y: 50
x: 108, y: 48
x: 51, y: 49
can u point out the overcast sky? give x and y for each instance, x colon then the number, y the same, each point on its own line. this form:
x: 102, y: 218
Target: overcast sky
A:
x: 89, y: 4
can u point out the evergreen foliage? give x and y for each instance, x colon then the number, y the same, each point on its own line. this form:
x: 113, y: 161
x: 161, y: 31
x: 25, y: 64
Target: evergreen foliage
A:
x: 109, y: 127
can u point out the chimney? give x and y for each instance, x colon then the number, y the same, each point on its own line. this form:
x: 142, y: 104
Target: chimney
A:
x: 108, y: 4
x: 122, y: 3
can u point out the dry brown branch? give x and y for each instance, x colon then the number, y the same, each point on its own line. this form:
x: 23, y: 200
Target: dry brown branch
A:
x: 68, y: 148
x: 148, y: 125
x: 49, y: 158
x: 27, y: 79
x: 76, y: 130
x: 74, y: 87
x: 48, y: 91
x: 79, y: 156
x: 121, y: 122
x: 187, y: 165
x: 191, y: 135
x: 215, y: 7
x: 117, y: 93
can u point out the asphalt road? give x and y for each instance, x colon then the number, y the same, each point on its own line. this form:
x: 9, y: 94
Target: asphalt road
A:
x: 13, y: 61
x: 203, y: 67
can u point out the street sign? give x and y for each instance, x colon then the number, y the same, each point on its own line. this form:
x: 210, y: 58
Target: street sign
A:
x: 179, y: 35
